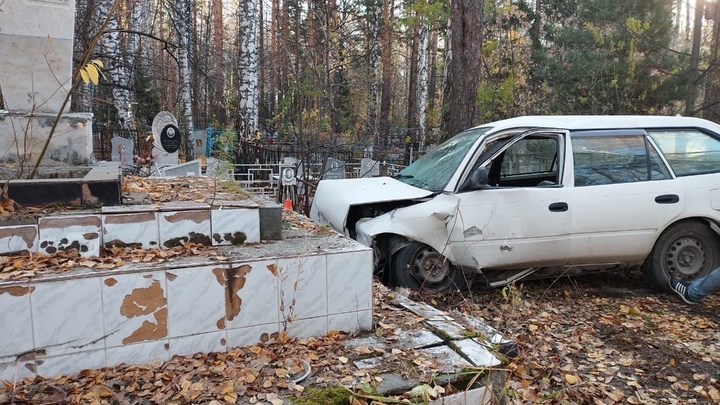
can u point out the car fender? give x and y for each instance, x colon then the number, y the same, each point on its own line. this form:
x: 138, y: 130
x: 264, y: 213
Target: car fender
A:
x: 425, y: 222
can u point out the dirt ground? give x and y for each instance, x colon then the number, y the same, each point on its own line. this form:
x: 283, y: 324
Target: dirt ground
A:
x: 602, y: 339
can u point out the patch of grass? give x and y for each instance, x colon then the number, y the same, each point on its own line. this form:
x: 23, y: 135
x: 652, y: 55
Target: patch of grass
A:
x: 323, y: 396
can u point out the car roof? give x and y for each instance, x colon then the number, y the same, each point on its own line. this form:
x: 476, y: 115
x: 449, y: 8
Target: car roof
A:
x: 587, y: 122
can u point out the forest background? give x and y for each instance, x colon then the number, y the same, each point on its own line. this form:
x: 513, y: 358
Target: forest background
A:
x: 391, y: 73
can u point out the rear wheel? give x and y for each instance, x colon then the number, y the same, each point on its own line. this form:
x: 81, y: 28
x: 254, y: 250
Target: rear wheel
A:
x: 420, y: 267
x: 686, y: 250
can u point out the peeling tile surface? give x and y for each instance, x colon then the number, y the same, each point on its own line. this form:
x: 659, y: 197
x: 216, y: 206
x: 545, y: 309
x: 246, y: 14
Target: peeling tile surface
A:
x: 259, y: 296
x: 235, y: 226
x: 19, y: 238
x: 178, y: 227
x: 82, y: 232
x: 196, y: 301
x: 134, y: 308
x: 136, y: 230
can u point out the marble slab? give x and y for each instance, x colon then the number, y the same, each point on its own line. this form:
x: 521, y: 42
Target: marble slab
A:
x: 235, y: 226
x: 22, y: 238
x: 81, y: 232
x: 179, y: 227
x: 136, y: 230
x: 135, y: 308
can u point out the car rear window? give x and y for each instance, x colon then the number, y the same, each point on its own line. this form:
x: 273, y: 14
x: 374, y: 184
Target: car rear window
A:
x: 688, y: 151
x: 615, y: 159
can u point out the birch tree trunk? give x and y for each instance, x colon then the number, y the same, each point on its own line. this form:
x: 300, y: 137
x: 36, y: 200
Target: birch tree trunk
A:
x: 115, y: 66
x: 183, y: 25
x: 248, y: 66
x: 423, y: 81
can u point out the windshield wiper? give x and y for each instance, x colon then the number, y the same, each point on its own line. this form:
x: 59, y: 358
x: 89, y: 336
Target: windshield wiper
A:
x: 403, y: 176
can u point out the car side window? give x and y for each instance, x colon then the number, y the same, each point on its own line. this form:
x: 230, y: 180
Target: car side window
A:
x: 529, y: 162
x: 615, y: 159
x: 688, y: 151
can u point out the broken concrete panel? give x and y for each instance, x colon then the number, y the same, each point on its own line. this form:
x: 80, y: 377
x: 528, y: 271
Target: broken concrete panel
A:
x: 448, y: 329
x: 17, y: 336
x: 477, y: 396
x: 81, y: 232
x: 417, y: 339
x: 139, y: 353
x: 452, y: 361
x: 478, y: 354
x: 421, y: 309
x: 393, y: 384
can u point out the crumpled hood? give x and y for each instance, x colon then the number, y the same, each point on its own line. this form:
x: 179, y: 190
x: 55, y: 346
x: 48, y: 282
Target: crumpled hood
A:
x: 333, y: 198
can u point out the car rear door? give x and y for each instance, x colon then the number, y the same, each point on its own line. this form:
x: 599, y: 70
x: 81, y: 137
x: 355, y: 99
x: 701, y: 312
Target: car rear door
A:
x: 623, y: 195
x: 521, y: 219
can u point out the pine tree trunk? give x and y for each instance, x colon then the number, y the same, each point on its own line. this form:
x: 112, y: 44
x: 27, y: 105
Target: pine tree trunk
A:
x: 387, y: 73
x: 466, y: 27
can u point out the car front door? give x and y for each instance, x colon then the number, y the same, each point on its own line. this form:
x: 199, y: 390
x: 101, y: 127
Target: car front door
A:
x: 623, y: 194
x: 521, y: 217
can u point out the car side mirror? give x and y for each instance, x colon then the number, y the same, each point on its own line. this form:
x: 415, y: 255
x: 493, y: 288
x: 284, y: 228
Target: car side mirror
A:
x: 477, y: 179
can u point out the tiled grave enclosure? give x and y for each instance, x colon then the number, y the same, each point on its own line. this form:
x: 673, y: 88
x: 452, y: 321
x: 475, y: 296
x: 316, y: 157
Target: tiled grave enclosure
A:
x: 304, y: 284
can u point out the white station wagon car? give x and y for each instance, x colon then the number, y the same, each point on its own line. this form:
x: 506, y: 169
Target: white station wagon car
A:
x: 542, y: 196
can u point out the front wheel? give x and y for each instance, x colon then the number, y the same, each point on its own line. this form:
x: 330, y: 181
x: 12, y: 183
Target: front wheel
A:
x: 420, y: 267
x: 686, y: 250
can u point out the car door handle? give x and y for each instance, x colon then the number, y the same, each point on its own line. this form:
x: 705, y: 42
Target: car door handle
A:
x: 667, y: 199
x: 558, y: 207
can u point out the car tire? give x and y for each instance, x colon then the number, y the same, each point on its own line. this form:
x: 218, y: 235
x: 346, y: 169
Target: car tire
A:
x: 686, y: 250
x: 420, y: 267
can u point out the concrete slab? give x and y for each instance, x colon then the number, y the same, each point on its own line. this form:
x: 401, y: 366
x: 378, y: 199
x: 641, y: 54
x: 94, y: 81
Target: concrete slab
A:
x: 478, y: 354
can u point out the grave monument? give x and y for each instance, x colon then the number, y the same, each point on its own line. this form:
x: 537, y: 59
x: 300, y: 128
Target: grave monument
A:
x: 36, y: 45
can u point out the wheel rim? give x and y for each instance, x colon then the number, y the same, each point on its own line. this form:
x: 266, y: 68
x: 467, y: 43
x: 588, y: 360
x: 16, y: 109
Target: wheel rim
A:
x: 431, y: 269
x: 685, y: 257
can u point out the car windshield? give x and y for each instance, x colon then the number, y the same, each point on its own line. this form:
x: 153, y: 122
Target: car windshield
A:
x: 433, y: 170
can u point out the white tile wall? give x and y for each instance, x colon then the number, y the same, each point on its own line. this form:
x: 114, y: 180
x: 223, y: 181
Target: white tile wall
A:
x: 16, y: 336
x: 196, y: 300
x: 303, y: 285
x: 70, y: 363
x: 63, y: 232
x: 350, y: 321
x: 349, y: 277
x: 227, y: 222
x: 134, y: 307
x: 67, y: 316
x: 260, y: 296
x: 251, y: 335
x: 139, y: 228
x: 18, y: 238
x: 141, y: 316
x: 138, y: 353
x: 184, y: 226
x: 202, y: 343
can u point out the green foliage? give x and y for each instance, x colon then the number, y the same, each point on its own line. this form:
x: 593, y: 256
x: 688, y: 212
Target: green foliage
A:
x: 324, y: 396
x: 609, y: 57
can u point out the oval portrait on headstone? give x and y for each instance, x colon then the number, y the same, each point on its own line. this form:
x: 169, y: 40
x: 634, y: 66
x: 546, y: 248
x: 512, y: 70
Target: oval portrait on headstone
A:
x: 170, y: 138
